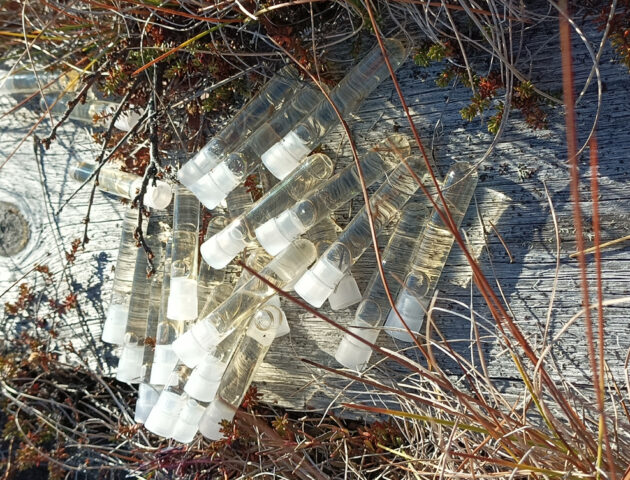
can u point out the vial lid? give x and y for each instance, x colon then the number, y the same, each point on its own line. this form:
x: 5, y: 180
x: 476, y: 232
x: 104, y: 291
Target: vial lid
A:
x: 205, y: 379
x: 182, y: 299
x: 210, y: 423
x: 318, y: 283
x: 192, y: 346
x: 412, y: 312
x: 115, y: 324
x: 164, y: 362
x: 158, y: 196
x: 352, y: 355
x: 284, y: 156
x: 130, y: 363
x: 186, y: 426
x: 217, y: 184
x: 147, y: 398
x: 220, y: 249
x: 164, y: 414
x: 277, y: 234
x: 347, y: 293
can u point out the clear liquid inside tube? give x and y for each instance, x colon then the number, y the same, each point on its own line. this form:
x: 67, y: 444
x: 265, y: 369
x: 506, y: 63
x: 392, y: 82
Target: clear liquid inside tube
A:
x: 259, y: 109
x: 112, y: 179
x: 182, y: 302
x: 118, y: 309
x: 27, y: 83
x: 219, y: 250
x: 431, y: 252
x: 320, y: 281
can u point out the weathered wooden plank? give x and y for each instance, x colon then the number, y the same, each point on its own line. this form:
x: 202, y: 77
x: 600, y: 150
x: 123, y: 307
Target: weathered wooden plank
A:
x: 511, y: 195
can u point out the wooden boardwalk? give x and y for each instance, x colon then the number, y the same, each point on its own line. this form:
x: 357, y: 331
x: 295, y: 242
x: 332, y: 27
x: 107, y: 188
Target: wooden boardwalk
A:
x: 512, y: 194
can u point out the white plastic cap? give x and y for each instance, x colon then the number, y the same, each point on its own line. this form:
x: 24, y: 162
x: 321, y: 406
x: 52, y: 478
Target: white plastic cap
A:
x: 318, y: 283
x: 182, y: 299
x: 203, y: 161
x: 127, y: 120
x: 165, y: 413
x: 277, y: 234
x: 412, y: 312
x: 147, y: 398
x: 115, y: 324
x: 164, y: 362
x: 193, y: 345
x: 220, y: 249
x: 130, y: 364
x: 284, y: 156
x: 347, y: 293
x: 283, y: 328
x: 210, y: 423
x: 158, y: 196
x: 215, y: 185
x: 353, y: 354
x: 205, y: 379
x: 187, y: 424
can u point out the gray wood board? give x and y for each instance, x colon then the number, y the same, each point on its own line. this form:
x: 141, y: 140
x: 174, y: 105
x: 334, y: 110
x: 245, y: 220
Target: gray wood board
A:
x: 511, y: 194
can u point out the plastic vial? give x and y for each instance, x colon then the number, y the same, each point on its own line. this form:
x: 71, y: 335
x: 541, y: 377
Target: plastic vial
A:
x: 220, y: 249
x: 316, y: 285
x: 213, y: 187
x: 164, y: 359
x: 124, y: 184
x: 275, y: 234
x: 27, y: 84
x: 373, y: 309
x: 182, y: 299
x: 347, y: 293
x: 431, y: 253
x: 147, y: 393
x: 132, y: 352
x: 208, y: 332
x: 248, y: 355
x: 92, y: 111
x: 118, y: 310
x: 163, y: 416
x: 238, y: 201
x: 210, y: 281
x: 258, y: 110
x: 355, y: 87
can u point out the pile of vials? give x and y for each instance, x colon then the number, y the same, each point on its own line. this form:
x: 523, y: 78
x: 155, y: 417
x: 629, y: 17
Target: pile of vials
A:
x: 211, y: 334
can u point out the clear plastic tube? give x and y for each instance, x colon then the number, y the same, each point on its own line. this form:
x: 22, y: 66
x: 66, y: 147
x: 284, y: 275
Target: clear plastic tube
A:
x: 248, y: 355
x: 431, y: 253
x: 27, y: 84
x: 238, y: 201
x: 316, y: 285
x: 205, y: 334
x: 278, y: 232
x: 112, y: 179
x: 164, y: 359
x: 118, y: 309
x: 147, y: 393
x: 182, y: 299
x: 92, y: 111
x: 220, y: 249
x: 272, y: 96
x: 132, y: 352
x: 355, y: 87
x: 372, y: 311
